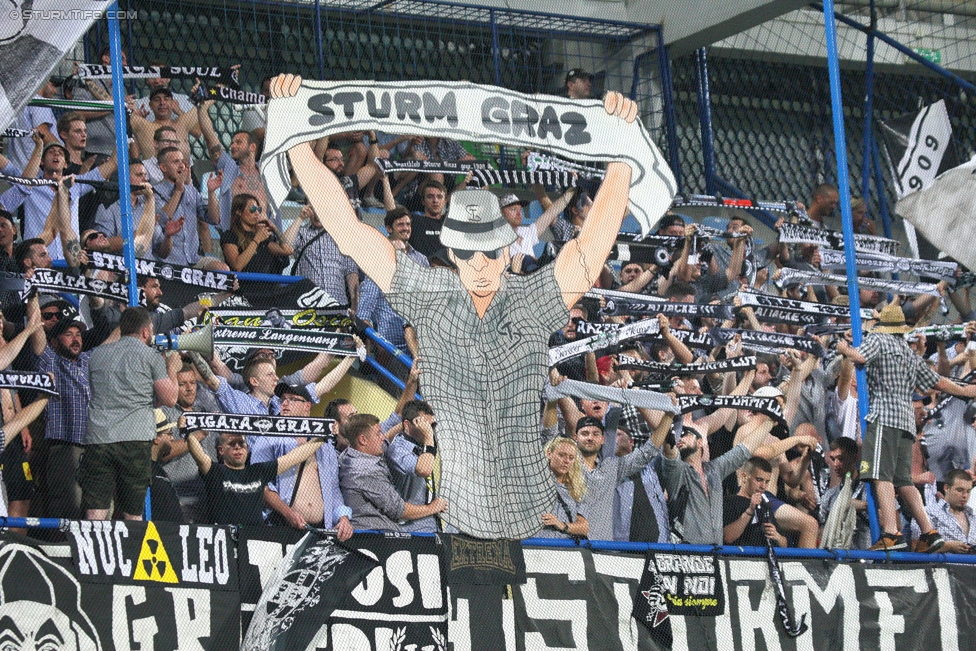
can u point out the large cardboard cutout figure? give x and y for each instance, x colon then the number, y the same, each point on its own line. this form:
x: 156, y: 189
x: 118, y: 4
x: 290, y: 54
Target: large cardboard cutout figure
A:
x: 483, y: 335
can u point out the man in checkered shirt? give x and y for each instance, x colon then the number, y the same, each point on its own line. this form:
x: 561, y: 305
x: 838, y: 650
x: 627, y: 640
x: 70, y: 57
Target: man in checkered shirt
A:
x: 894, y: 371
x: 483, y: 334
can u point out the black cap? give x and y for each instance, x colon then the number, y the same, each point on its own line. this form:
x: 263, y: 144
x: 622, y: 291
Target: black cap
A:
x: 69, y: 317
x: 589, y: 421
x: 162, y: 90
x: 299, y: 390
x: 577, y: 73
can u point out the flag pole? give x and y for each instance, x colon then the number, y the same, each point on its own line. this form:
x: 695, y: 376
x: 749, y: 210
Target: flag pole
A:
x: 122, y: 150
x: 844, y: 189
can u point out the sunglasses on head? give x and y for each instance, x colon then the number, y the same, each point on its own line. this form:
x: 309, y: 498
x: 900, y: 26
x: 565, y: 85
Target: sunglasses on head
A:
x: 462, y: 254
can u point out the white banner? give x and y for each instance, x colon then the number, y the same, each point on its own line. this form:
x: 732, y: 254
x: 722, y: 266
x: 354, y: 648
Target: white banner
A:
x: 577, y: 129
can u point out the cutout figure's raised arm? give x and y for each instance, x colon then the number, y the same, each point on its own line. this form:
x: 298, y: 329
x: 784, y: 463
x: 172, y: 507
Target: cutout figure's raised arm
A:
x: 371, y: 251
x: 580, y: 262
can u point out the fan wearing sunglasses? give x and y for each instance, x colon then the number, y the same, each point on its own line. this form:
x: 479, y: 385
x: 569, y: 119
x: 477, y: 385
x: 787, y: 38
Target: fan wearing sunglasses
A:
x: 483, y: 334
x: 254, y: 243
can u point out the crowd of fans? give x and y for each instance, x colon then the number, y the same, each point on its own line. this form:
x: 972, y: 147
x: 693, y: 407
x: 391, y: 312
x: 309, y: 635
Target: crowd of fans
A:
x: 621, y: 472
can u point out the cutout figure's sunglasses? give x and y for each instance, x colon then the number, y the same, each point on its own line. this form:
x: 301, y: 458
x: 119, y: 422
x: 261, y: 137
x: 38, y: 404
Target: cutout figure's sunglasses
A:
x: 462, y: 254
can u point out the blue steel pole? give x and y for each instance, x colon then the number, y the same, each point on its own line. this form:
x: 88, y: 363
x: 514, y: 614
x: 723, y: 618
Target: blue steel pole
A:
x: 670, y: 117
x: 122, y: 150
x: 879, y: 184
x: 844, y: 189
x: 496, y: 61
x: 319, y: 54
x: 705, y: 120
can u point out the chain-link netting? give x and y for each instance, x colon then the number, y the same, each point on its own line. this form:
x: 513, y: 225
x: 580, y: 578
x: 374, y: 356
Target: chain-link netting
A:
x: 770, y: 99
x: 389, y: 41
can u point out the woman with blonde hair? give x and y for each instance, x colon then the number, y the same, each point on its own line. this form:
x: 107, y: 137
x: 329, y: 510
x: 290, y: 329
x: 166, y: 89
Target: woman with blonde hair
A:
x: 567, y: 519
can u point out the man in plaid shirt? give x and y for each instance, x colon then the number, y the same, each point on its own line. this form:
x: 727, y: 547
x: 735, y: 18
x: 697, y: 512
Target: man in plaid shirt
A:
x: 894, y: 371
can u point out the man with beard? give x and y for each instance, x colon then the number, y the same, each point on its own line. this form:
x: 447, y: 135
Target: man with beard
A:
x: 164, y: 503
x: 694, y: 486
x: 179, y: 466
x: 236, y: 171
x: 67, y: 412
x: 603, y: 475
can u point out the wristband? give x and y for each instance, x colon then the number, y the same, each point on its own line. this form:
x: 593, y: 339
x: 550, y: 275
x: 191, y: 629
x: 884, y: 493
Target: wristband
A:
x: 374, y: 142
x: 430, y: 449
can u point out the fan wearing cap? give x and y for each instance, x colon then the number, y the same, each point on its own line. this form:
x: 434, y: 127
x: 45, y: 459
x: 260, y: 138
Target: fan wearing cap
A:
x: 604, y: 475
x: 483, y: 335
x: 164, y: 502
x: 61, y: 355
x: 694, y: 486
x: 579, y: 84
x: 528, y: 236
x: 310, y: 493
x: 894, y: 371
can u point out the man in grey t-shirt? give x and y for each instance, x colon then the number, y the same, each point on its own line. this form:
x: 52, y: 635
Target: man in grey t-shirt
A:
x: 127, y: 379
x: 695, y: 498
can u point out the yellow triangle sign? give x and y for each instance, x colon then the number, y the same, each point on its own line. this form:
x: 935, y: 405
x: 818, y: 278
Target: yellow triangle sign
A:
x: 154, y: 563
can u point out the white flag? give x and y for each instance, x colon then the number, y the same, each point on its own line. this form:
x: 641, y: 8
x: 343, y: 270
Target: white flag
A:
x: 945, y: 212
x: 34, y: 36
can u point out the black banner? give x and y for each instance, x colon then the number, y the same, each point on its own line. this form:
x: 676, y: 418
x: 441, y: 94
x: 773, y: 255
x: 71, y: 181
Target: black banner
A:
x: 769, y: 340
x: 212, y: 280
x: 26, y: 380
x: 704, y: 200
x: 60, y: 281
x: 678, y: 585
x: 337, y: 343
x: 401, y: 604
x: 539, y: 162
x: 831, y: 259
x: 743, y: 363
x: 34, y: 183
x: 883, y: 284
x: 752, y: 299
x: 315, y: 577
x: 259, y: 425
x: 606, y: 339
x: 42, y: 592
x: 768, y: 406
x: 229, y: 95
x: 132, y: 553
x: 474, y: 561
x: 690, y: 338
x: 207, y: 73
x: 572, y: 598
x: 778, y: 315
x: 667, y: 308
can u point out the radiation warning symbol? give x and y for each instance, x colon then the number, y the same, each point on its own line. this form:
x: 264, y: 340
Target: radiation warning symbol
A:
x: 154, y: 563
